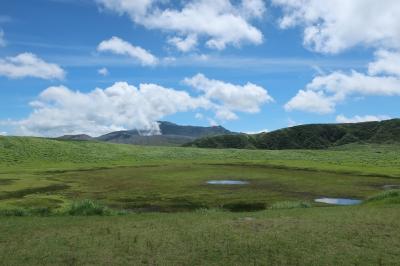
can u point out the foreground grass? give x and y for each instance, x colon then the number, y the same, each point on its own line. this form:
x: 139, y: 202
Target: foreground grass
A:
x: 363, y: 235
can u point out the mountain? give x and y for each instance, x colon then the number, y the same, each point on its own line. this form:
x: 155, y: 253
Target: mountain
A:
x: 314, y: 136
x: 75, y: 137
x: 171, y: 135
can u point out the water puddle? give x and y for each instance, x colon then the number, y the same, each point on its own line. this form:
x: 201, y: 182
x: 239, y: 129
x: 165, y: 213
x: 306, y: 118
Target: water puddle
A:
x: 338, y: 201
x: 227, y: 182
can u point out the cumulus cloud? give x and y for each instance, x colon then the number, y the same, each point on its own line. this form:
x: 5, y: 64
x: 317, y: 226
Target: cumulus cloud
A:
x: 184, y: 44
x: 2, y: 40
x: 103, y: 71
x: 325, y: 91
x: 247, y: 98
x: 311, y: 101
x: 118, y: 46
x: 220, y: 23
x: 387, y: 62
x: 29, y: 65
x: 358, y: 119
x: 60, y: 110
x: 332, y: 26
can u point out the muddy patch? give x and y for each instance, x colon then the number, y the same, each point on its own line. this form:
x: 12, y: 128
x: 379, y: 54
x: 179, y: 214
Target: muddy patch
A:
x: 23, y: 192
x: 7, y: 181
x: 244, y: 206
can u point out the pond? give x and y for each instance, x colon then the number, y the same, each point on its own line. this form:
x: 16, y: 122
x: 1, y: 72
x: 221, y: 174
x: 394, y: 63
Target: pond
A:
x: 227, y: 182
x: 339, y: 201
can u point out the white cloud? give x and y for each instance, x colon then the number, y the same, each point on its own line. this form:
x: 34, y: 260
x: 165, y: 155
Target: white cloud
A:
x: 331, y: 26
x: 135, y: 8
x: 119, y: 46
x: 103, y: 71
x: 221, y: 23
x: 2, y: 40
x: 29, y: 65
x: 257, y: 132
x: 253, y: 8
x: 311, y: 101
x: 387, y: 63
x: 358, y: 119
x: 325, y: 91
x: 225, y: 114
x: 60, y: 110
x: 247, y: 98
x: 184, y: 44
x: 2, y: 133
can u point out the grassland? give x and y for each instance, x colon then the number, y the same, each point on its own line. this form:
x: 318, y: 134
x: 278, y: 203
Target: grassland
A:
x: 175, y: 218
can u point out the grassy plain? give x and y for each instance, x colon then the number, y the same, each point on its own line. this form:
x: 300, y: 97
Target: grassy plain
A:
x: 175, y: 218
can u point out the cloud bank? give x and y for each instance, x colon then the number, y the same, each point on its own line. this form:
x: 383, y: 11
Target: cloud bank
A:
x: 60, y: 110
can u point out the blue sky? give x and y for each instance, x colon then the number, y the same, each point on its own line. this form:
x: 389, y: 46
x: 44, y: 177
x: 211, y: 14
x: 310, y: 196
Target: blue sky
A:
x: 248, y: 65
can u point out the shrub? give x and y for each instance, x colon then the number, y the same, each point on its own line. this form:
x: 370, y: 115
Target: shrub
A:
x: 87, y: 208
x: 14, y: 212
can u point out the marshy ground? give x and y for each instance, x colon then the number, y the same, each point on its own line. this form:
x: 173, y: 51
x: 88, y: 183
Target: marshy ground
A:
x: 172, y: 216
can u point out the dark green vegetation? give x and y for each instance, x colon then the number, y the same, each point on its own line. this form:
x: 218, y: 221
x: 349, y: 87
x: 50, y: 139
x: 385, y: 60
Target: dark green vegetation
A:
x: 170, y: 135
x: 319, y: 136
x: 171, y: 216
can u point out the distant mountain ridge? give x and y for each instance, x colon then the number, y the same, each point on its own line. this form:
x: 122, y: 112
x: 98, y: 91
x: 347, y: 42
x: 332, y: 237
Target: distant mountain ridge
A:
x: 314, y: 136
x: 171, y: 135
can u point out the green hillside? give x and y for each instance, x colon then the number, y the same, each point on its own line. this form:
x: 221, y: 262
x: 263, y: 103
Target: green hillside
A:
x: 318, y: 136
x: 21, y: 153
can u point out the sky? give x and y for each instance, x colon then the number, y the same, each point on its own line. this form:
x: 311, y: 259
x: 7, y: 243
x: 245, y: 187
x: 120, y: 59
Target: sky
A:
x: 96, y: 66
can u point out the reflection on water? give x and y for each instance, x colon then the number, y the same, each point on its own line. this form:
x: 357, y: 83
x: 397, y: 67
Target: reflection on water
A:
x: 338, y: 201
x: 227, y: 182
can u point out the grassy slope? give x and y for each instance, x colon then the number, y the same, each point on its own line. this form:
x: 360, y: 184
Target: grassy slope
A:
x: 36, y: 154
x: 316, y: 136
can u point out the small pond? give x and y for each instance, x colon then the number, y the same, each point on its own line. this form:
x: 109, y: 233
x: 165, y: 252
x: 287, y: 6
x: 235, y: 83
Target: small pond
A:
x: 339, y: 201
x: 227, y: 182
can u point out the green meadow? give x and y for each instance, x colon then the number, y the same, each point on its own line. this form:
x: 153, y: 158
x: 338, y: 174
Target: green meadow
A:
x: 82, y: 202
